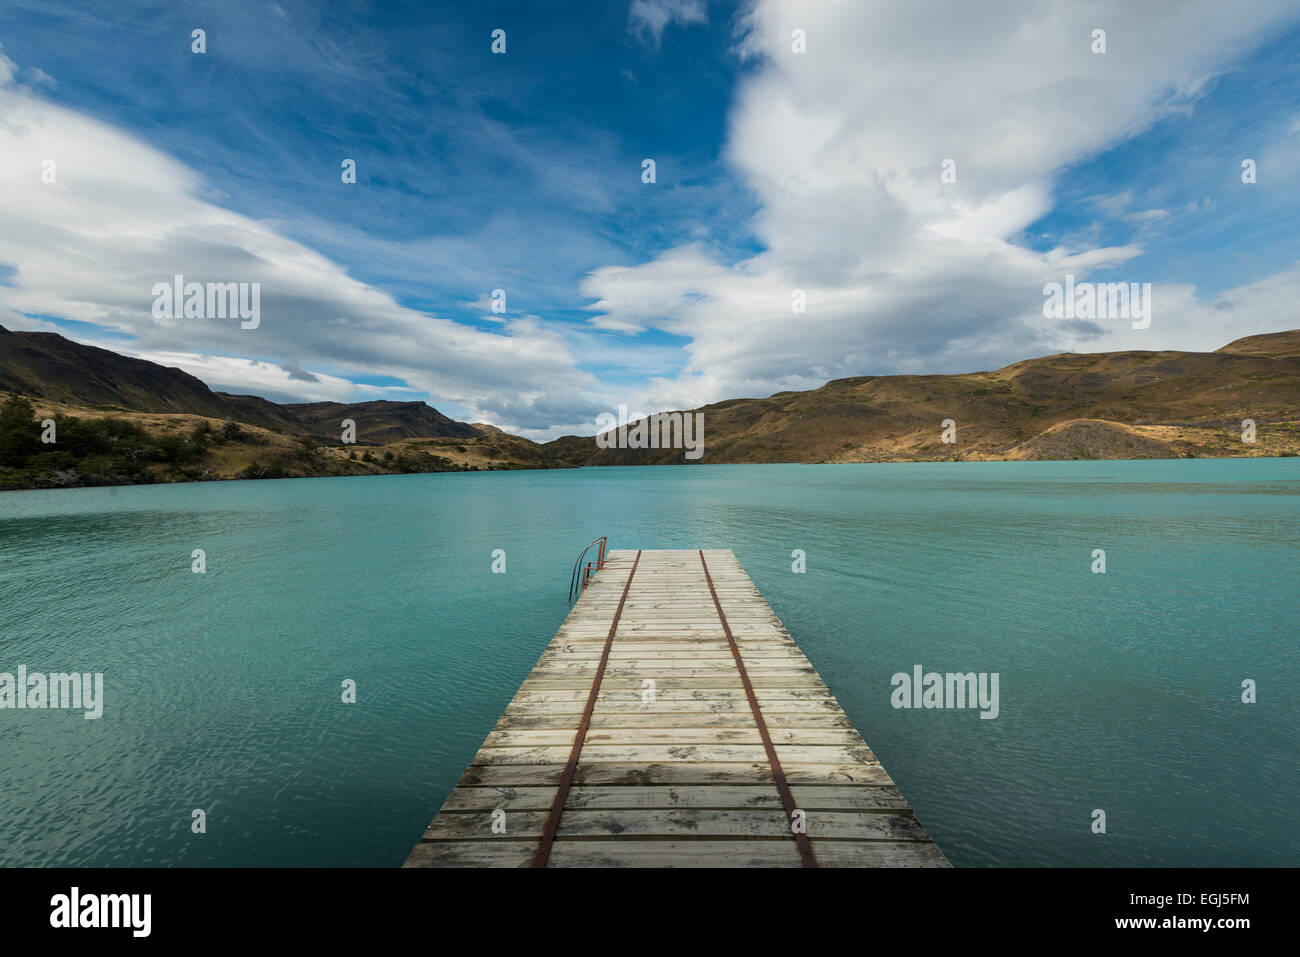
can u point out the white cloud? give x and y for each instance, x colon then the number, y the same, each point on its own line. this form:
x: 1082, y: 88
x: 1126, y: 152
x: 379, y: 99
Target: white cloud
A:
x: 842, y: 147
x: 248, y: 376
x: 1147, y: 215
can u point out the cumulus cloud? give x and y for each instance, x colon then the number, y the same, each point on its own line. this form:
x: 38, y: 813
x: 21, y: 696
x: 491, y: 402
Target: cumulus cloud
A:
x: 843, y: 146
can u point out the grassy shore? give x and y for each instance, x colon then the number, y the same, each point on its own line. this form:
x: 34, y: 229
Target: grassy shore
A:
x: 115, y: 447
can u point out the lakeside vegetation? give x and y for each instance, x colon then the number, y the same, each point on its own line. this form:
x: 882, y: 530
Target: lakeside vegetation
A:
x: 94, y: 450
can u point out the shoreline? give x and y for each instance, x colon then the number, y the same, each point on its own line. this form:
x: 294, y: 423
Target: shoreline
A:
x: 638, y: 465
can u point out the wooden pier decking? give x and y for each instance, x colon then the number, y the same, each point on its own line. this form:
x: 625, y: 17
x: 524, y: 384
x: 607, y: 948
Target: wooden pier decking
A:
x: 673, y: 721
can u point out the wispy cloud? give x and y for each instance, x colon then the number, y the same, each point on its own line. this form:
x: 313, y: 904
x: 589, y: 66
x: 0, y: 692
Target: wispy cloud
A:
x: 648, y: 19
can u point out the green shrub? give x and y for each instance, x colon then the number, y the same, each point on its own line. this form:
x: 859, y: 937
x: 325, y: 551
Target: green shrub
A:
x: 20, y: 436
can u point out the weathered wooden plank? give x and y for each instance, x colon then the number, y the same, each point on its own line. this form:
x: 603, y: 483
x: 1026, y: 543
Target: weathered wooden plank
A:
x: 522, y: 775
x: 708, y: 695
x: 616, y: 797
x: 716, y: 797
x: 806, y: 772
x: 655, y: 654
x: 670, y: 702
x: 657, y: 753
x: 532, y: 737
x: 671, y: 719
x: 472, y: 854
x: 679, y: 682
x: 675, y: 822
x: 694, y: 853
x: 833, y: 853
x: 638, y: 669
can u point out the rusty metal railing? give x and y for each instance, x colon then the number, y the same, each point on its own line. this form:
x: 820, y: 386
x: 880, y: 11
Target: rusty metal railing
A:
x: 578, y: 582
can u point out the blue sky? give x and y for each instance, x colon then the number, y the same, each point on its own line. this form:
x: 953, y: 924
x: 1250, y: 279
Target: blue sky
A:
x: 1233, y: 235
x: 522, y: 171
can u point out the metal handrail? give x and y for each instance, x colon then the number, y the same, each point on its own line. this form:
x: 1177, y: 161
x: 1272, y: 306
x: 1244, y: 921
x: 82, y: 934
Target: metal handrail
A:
x: 576, y: 584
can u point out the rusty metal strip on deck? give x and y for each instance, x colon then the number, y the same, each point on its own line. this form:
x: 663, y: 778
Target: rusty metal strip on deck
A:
x: 566, y: 782
x: 782, y: 786
x: 656, y: 730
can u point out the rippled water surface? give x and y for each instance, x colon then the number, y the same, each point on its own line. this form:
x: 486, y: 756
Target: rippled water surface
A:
x: 222, y: 691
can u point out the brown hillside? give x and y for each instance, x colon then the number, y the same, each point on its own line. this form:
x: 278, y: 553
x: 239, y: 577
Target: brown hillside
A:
x: 1116, y: 405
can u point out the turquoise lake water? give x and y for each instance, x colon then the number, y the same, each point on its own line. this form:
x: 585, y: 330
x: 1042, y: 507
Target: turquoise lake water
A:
x: 1119, y: 691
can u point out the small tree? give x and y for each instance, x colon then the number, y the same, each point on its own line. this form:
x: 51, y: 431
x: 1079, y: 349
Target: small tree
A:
x: 19, y: 433
x: 201, y: 436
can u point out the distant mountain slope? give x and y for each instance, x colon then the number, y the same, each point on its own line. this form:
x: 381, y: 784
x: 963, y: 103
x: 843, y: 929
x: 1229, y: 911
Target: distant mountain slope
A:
x: 380, y: 421
x: 1279, y: 345
x: 45, y: 365
x: 1099, y: 405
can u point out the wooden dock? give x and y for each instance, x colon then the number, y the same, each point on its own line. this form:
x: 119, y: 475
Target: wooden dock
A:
x: 673, y: 721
